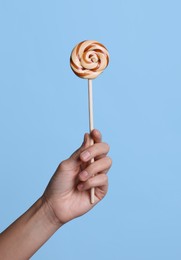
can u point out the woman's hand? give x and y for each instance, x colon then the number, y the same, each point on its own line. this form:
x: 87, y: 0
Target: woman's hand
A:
x: 68, y: 192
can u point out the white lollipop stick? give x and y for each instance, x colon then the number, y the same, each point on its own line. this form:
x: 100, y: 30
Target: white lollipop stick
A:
x: 91, y: 126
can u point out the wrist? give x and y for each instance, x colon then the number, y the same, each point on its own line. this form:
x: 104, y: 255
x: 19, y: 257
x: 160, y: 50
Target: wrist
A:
x: 49, y: 213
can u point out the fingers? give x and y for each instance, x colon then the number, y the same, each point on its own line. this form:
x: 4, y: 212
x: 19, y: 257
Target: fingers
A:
x: 102, y: 165
x: 98, y: 169
x: 93, y: 151
x: 100, y: 182
x: 95, y: 135
x: 83, y: 155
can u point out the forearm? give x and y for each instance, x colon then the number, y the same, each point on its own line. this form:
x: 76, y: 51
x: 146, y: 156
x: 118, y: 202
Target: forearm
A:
x: 28, y: 233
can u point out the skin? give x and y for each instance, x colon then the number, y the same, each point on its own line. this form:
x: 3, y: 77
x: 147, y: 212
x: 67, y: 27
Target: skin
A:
x: 66, y: 197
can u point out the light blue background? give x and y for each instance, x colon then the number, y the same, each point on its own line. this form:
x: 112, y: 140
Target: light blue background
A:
x: 137, y: 106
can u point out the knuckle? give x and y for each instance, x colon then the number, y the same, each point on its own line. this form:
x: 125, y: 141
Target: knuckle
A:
x: 109, y: 161
x: 105, y: 178
x: 63, y: 165
x: 107, y: 147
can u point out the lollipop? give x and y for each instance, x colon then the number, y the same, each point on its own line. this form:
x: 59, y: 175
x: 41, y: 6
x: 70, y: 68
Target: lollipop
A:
x: 88, y: 59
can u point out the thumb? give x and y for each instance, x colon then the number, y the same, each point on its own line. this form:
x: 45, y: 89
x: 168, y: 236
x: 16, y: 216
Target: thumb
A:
x: 86, y: 143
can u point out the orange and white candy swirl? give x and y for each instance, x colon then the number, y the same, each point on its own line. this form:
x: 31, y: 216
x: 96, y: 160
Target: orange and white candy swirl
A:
x: 88, y: 59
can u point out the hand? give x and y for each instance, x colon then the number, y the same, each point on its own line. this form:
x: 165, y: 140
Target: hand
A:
x: 68, y: 192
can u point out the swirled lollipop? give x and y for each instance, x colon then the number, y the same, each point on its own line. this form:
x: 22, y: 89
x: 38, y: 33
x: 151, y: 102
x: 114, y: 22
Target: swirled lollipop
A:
x: 88, y: 59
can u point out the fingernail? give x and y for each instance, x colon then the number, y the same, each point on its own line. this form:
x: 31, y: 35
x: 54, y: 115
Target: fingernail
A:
x: 84, y: 174
x: 85, y: 155
x: 80, y: 186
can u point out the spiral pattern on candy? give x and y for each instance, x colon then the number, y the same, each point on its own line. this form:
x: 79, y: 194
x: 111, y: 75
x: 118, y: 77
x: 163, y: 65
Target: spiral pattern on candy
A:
x: 88, y: 59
